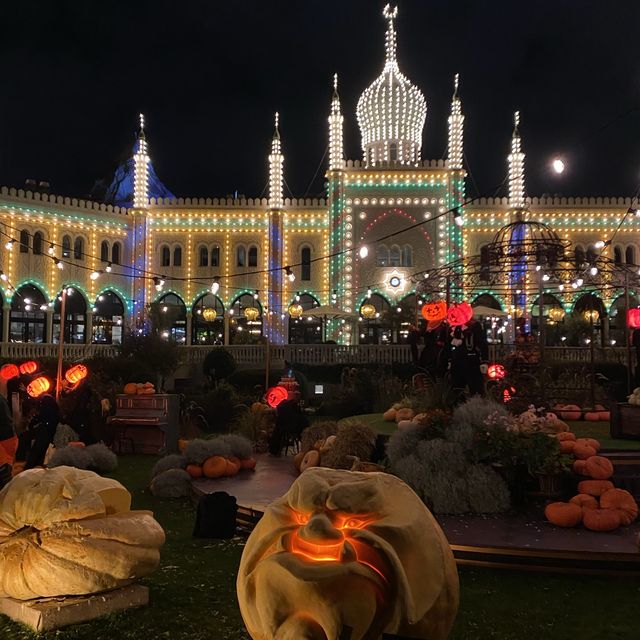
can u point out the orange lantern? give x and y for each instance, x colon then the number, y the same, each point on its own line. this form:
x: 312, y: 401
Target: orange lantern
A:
x: 76, y: 374
x: 459, y: 313
x: 276, y: 395
x: 9, y: 371
x: 38, y: 386
x: 633, y: 318
x: 434, y: 311
x: 28, y: 367
x: 496, y: 372
x: 508, y: 393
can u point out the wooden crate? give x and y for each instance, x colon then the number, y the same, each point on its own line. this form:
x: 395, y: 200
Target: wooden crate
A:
x: 625, y: 421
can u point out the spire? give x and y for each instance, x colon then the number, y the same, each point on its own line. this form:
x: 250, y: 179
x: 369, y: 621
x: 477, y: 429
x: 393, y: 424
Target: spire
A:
x: 456, y: 129
x: 276, y: 178
x: 390, y: 13
x: 516, y: 167
x: 336, y: 148
x: 141, y: 170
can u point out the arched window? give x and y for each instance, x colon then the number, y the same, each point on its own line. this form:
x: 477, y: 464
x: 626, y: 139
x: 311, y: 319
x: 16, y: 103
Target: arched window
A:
x: 617, y: 254
x: 630, y: 255
x: 108, y: 317
x: 203, y: 259
x: 485, y: 264
x: 37, y: 243
x: 241, y: 256
x: 591, y: 254
x: 305, y: 267
x: 207, y: 327
x: 382, y: 256
x: 579, y: 256
x: 253, y: 256
x: 24, y: 241
x: 393, y: 152
x: 306, y: 329
x: 245, y: 327
x: 395, y: 256
x: 169, y: 318
x: 215, y: 256
x: 104, y: 251
x: 78, y: 248
x: 407, y: 256
x: 27, y: 321
x: 165, y: 256
x: 378, y: 328
x: 75, y: 318
x: 116, y: 253
x: 66, y: 246
x: 177, y: 257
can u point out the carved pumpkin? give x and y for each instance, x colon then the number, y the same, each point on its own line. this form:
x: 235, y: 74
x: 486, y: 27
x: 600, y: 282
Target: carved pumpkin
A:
x: 28, y: 367
x: 434, y: 311
x: 496, y: 372
x: 601, y: 519
x: 66, y: 531
x: 563, y: 514
x: 459, y: 314
x: 9, y: 371
x: 38, y: 386
x: 590, y: 442
x: 585, y: 501
x: 404, y: 414
x: 131, y: 388
x: 214, y: 467
x: 623, y: 502
x: 194, y: 470
x: 633, y: 318
x: 595, y: 487
x: 76, y: 374
x: 347, y: 553
x: 598, y: 467
x: 276, y: 395
x: 583, y: 451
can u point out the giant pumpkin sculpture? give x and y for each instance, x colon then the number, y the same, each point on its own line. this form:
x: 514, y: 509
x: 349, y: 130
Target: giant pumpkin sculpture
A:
x: 347, y: 554
x: 65, y: 531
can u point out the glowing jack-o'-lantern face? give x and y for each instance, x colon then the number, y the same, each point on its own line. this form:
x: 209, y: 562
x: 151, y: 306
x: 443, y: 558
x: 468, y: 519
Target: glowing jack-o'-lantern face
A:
x: 459, y: 314
x: 496, y: 372
x: 347, y: 550
x: 276, y: 395
x: 434, y: 311
x: 633, y: 318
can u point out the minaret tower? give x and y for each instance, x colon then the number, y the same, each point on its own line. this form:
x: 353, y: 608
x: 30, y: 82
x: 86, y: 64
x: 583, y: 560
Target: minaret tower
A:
x: 516, y: 168
x: 274, y: 251
x: 141, y: 170
x: 336, y: 144
x: 455, y: 153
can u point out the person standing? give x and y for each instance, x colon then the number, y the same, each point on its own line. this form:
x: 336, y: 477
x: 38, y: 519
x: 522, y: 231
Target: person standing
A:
x: 8, y: 442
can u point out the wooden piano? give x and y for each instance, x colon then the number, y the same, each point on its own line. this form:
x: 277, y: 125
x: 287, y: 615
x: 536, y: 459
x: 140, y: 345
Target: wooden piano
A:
x: 149, y: 423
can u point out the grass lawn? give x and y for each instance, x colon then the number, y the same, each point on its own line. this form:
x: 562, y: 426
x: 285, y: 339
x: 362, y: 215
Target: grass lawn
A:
x: 193, y: 592
x: 582, y: 429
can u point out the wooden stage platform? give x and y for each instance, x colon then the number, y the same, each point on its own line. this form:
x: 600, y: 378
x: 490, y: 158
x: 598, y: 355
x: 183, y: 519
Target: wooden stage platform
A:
x: 523, y: 541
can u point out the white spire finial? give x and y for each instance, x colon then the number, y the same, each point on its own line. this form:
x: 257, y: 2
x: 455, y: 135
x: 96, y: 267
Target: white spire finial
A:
x: 456, y: 81
x: 516, y: 121
x: 141, y: 170
x: 456, y: 129
x: 276, y: 175
x: 390, y: 14
x: 277, y: 121
x: 516, y: 168
x: 336, y: 150
x: 335, y: 83
x: 142, y: 122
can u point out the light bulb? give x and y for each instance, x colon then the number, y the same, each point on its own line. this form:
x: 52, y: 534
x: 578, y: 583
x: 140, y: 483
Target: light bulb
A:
x: 593, y: 271
x: 3, y: 276
x: 95, y: 275
x: 215, y: 286
x: 579, y: 282
x: 558, y: 165
x: 364, y: 251
x: 108, y: 267
x: 289, y: 274
x: 50, y: 250
x: 546, y: 277
x: 600, y: 244
x: 59, y: 265
x: 9, y: 245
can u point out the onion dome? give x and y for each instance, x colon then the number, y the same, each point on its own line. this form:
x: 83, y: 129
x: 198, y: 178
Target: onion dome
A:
x: 391, y: 111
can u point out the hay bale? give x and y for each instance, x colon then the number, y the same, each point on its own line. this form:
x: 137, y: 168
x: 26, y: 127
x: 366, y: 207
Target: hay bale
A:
x: 317, y: 431
x: 353, y: 438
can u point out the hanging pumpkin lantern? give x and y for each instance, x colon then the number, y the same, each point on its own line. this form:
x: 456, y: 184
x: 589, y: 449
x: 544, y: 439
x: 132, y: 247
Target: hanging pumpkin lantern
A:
x: 209, y: 314
x: 276, y: 395
x: 592, y: 316
x: 368, y: 311
x: 434, y: 311
x: 251, y: 313
x: 496, y: 372
x: 459, y: 313
x: 508, y: 393
x: 296, y: 310
x: 28, y: 367
x: 76, y: 374
x: 38, y: 386
x: 556, y: 314
x: 9, y: 371
x: 633, y: 318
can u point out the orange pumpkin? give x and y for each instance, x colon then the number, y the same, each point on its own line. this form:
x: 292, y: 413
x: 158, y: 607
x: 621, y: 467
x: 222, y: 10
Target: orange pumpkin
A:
x: 585, y: 501
x: 214, y: 467
x: 404, y: 414
x: 566, y: 446
x: 623, y: 502
x: 459, y: 314
x: 76, y: 374
x: 601, y: 519
x: 194, y: 470
x: 233, y: 466
x: 38, y: 386
x: 389, y: 415
x: 571, y: 412
x: 311, y: 459
x: 131, y: 388
x: 592, y: 416
x: 579, y: 467
x: 604, y: 416
x: 566, y: 435
x: 595, y: 487
x: 563, y: 514
x: 583, y: 451
x: 28, y: 367
x: 248, y: 464
x: 590, y: 442
x: 599, y: 467
x: 434, y: 311
x: 182, y: 444
x: 276, y: 395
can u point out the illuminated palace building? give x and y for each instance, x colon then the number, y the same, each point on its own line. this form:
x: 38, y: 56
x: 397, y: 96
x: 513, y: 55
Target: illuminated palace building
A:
x: 228, y: 271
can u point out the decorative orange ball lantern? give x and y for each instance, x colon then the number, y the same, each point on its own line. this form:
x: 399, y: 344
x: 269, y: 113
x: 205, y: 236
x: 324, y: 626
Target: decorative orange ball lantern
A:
x: 434, y: 311
x: 9, y: 371
x: 76, y: 374
x: 38, y: 386
x: 251, y: 314
x: 496, y: 372
x: 28, y: 367
x: 209, y: 314
x: 276, y: 395
x: 459, y: 313
x: 633, y: 318
x: 368, y: 311
x: 296, y: 310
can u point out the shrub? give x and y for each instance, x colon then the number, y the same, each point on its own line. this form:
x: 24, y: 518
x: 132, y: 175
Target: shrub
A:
x: 488, y: 492
x: 103, y: 460
x: 64, y: 435
x: 197, y: 451
x: 219, y: 408
x: 246, y: 380
x: 218, y: 364
x: 353, y: 438
x: 238, y: 446
x: 77, y: 457
x: 469, y: 419
x: 173, y: 483
x: 173, y: 461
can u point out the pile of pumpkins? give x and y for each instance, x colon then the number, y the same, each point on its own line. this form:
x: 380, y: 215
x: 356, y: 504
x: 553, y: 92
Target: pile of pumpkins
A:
x: 599, y: 506
x: 404, y: 417
x: 139, y: 388
x: 220, y: 467
x: 574, y: 412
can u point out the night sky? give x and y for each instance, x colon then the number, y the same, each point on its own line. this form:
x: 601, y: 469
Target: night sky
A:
x: 209, y: 75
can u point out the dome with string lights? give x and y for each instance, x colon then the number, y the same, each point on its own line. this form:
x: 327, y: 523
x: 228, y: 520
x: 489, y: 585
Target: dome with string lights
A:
x: 391, y: 111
